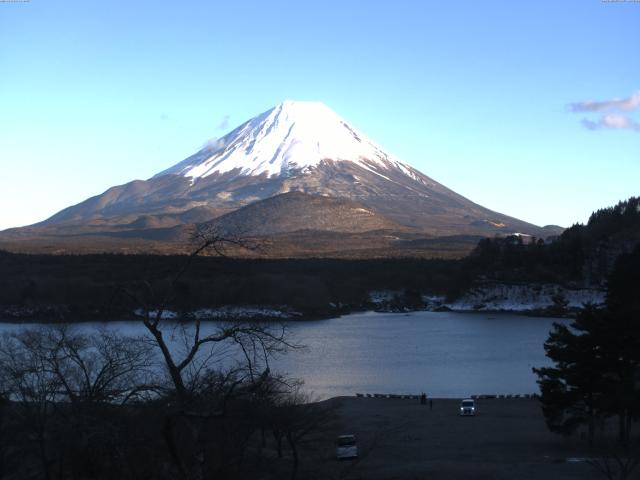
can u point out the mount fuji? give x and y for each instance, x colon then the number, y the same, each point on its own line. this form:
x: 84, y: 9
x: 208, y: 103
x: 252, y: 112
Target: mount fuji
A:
x: 298, y: 167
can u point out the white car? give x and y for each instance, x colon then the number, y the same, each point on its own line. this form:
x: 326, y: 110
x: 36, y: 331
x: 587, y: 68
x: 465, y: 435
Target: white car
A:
x: 467, y: 407
x: 346, y: 447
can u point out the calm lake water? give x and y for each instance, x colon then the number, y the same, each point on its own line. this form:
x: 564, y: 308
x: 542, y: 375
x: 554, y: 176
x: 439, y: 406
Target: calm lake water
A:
x: 444, y: 354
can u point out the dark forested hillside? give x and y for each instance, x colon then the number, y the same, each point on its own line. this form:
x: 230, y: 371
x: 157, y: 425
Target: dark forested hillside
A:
x: 583, y: 254
x: 89, y: 285
x: 81, y: 287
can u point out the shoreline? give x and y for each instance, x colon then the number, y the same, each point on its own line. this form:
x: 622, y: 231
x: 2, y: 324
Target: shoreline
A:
x: 57, y: 315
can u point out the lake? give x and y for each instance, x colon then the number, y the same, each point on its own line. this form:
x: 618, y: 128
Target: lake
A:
x: 444, y: 354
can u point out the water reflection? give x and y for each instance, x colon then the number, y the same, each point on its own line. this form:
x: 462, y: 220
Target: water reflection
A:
x: 444, y: 354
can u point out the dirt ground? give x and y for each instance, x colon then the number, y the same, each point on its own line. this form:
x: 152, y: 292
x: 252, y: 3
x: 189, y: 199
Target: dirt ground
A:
x: 401, y: 439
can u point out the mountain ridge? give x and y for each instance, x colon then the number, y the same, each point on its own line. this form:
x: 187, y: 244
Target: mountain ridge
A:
x: 294, y: 147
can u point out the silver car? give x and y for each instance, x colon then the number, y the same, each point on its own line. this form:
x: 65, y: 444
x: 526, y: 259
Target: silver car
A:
x: 467, y: 407
x: 346, y: 447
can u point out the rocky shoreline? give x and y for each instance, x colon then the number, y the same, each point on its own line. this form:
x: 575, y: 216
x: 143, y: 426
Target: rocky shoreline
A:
x: 545, y: 300
x: 534, y: 300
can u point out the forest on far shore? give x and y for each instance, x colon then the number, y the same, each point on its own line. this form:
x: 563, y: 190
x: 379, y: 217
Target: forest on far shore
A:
x: 77, y: 287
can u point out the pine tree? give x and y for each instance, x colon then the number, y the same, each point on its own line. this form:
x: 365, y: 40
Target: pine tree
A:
x: 623, y: 311
x: 573, y: 391
x: 596, y: 372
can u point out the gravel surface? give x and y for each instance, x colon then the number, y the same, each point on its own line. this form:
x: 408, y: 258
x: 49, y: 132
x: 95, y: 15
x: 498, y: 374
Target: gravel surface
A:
x: 401, y: 439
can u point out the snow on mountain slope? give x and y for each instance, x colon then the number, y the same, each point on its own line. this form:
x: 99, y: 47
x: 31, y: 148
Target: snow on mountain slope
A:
x: 295, y: 147
x: 292, y: 137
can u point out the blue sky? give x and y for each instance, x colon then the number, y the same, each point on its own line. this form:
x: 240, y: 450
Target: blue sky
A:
x: 485, y: 97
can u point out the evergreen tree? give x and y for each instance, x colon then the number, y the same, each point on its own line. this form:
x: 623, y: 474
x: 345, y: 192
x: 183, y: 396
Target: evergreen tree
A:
x: 573, y: 391
x: 597, y: 360
x: 623, y: 311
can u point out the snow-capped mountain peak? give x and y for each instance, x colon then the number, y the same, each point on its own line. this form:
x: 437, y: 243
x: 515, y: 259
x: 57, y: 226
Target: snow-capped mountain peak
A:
x: 298, y: 161
x: 292, y: 137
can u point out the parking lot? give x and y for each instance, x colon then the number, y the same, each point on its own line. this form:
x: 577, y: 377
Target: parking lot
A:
x: 402, y: 439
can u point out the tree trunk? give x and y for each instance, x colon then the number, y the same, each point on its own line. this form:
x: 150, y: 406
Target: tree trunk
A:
x: 167, y: 432
x: 294, y: 452
x: 627, y: 426
x: 277, y: 436
x: 621, y: 423
x: 624, y: 422
x: 43, y: 456
x: 592, y: 421
x: 174, y: 372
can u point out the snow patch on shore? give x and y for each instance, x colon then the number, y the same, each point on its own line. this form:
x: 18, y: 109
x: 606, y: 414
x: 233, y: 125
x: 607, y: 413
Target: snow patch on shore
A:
x: 243, y: 313
x: 382, y: 296
x: 520, y: 298
x: 226, y: 313
x: 497, y: 297
x: 166, y: 314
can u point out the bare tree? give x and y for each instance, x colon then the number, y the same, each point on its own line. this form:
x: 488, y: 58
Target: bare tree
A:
x: 256, y: 343
x: 298, y: 419
x: 187, y: 400
x: 60, y: 386
x: 196, y: 358
x: 617, y: 462
x: 31, y: 388
x: 102, y: 367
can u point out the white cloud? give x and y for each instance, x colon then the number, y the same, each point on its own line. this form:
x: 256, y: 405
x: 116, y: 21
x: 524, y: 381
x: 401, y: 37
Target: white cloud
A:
x: 224, y: 123
x: 613, y: 122
x: 628, y: 104
x: 214, y: 143
x: 615, y: 113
